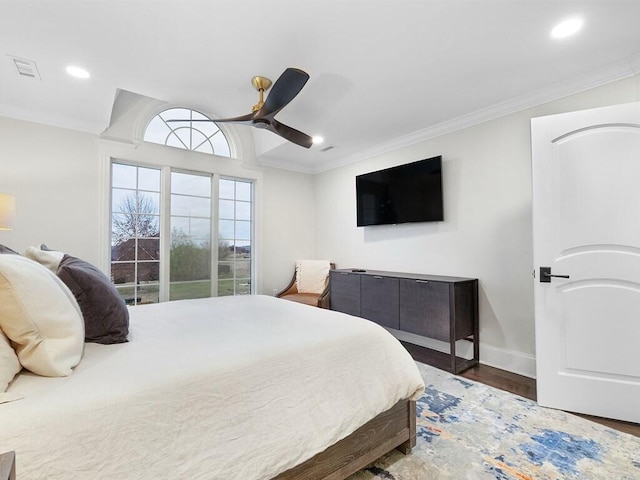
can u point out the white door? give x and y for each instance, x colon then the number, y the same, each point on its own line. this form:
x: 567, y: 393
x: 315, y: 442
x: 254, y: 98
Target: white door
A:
x: 586, y: 225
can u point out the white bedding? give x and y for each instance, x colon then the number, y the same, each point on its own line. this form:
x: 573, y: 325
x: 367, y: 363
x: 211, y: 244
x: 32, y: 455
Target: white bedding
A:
x: 221, y: 388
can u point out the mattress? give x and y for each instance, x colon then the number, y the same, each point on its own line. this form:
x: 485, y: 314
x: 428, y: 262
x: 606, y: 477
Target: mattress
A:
x: 226, y: 388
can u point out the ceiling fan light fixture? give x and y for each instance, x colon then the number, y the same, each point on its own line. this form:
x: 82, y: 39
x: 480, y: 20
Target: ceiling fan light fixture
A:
x: 317, y: 139
x: 567, y: 28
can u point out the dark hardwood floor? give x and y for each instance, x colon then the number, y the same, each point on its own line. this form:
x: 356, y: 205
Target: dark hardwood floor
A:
x: 514, y: 383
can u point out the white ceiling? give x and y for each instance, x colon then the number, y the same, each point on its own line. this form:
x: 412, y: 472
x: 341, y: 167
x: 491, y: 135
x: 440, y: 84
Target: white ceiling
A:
x: 383, y: 73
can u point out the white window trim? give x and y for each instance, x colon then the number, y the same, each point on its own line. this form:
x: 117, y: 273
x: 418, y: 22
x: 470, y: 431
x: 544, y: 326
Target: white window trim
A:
x: 165, y: 221
x: 254, y: 280
x: 153, y: 109
x: 113, y: 145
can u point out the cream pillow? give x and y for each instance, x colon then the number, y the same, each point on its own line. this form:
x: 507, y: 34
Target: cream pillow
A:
x: 40, y: 316
x: 311, y: 275
x: 49, y: 258
x: 9, y: 364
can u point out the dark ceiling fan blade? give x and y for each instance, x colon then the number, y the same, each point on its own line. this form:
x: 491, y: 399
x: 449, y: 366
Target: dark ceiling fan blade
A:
x: 290, y: 134
x: 247, y: 119
x: 283, y: 91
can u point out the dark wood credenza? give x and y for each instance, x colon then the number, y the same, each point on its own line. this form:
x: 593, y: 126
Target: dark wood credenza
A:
x: 433, y: 306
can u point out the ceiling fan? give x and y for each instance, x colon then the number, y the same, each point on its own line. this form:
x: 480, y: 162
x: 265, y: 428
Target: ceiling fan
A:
x: 262, y: 114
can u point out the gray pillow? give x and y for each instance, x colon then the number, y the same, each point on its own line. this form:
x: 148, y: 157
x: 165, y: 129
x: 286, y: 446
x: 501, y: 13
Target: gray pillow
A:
x: 106, y: 317
x: 5, y: 249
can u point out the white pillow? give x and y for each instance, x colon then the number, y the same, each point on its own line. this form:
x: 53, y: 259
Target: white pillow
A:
x: 311, y: 275
x: 9, y: 364
x: 49, y: 258
x: 40, y: 316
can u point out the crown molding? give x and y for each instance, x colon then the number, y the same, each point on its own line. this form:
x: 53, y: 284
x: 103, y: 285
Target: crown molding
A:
x: 287, y: 165
x: 50, y: 120
x: 612, y: 73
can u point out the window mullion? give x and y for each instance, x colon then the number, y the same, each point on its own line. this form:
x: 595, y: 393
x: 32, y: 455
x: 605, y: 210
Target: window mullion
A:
x: 215, y: 215
x: 165, y: 235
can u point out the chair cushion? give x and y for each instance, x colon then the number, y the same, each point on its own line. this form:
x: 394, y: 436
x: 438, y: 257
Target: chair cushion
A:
x: 306, y: 298
x: 311, y: 275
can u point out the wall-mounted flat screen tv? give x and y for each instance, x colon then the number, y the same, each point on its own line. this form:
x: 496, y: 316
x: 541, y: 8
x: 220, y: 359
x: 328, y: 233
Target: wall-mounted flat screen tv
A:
x: 402, y: 194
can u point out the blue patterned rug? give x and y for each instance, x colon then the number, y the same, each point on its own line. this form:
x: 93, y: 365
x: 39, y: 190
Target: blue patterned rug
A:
x: 467, y: 430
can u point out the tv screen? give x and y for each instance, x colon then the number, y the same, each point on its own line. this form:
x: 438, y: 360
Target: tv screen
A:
x: 402, y: 194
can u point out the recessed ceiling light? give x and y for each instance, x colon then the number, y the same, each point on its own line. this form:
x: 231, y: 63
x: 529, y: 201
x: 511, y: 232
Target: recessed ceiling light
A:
x: 77, y: 72
x: 567, y: 28
x: 317, y: 139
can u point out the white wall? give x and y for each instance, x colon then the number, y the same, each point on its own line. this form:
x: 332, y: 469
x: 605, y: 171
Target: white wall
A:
x: 289, y: 227
x: 55, y: 176
x: 487, y: 231
x: 60, y: 179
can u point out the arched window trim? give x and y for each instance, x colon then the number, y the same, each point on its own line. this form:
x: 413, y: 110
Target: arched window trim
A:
x: 228, y: 136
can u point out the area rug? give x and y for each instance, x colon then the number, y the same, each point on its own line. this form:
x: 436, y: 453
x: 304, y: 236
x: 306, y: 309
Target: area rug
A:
x: 467, y: 430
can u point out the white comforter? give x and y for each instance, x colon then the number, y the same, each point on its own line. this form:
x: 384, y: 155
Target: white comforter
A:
x: 228, y: 388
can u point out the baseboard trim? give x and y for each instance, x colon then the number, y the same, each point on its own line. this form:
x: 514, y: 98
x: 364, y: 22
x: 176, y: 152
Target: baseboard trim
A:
x: 514, y: 362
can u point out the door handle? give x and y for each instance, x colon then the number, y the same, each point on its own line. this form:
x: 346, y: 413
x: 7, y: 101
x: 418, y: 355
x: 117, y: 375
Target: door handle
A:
x: 545, y: 275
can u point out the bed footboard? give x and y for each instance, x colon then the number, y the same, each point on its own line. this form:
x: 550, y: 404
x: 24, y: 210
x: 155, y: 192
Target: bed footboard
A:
x: 8, y: 466
x: 395, y: 428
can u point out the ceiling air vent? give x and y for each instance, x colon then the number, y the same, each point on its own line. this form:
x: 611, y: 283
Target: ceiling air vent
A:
x: 26, y: 68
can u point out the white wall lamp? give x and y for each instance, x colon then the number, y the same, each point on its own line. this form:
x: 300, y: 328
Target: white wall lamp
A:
x: 7, y: 211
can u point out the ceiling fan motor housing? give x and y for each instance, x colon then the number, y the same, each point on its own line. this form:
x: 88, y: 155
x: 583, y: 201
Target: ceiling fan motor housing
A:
x: 261, y: 123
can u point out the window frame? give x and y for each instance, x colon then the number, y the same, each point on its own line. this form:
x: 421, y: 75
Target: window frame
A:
x: 181, y: 125
x: 136, y: 262
x: 212, y: 230
x: 165, y: 221
x: 123, y: 142
x: 252, y: 222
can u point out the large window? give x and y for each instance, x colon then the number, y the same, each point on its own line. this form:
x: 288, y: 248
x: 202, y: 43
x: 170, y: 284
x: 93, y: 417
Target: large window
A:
x: 190, y: 254
x: 145, y: 268
x: 135, y: 232
x: 235, y: 234
x: 187, y: 129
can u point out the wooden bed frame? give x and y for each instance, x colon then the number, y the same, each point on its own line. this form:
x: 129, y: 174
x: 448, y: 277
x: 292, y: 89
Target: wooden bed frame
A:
x: 8, y: 466
x: 395, y: 428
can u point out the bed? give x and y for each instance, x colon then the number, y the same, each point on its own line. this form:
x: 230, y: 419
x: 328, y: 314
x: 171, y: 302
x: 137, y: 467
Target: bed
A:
x: 247, y: 387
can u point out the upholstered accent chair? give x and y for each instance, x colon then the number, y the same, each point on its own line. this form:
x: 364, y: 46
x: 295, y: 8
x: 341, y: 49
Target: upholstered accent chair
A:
x: 310, y: 283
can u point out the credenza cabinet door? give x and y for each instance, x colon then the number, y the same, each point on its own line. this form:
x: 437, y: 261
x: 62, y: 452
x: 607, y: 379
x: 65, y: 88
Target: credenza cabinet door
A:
x: 380, y: 300
x: 424, y: 308
x: 345, y: 292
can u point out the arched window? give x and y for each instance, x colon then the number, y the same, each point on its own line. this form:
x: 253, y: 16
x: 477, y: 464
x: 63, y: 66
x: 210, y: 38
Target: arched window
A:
x: 188, y: 129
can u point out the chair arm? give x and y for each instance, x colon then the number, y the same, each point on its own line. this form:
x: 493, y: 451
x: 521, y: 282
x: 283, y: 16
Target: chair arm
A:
x: 289, y: 289
x: 324, y: 299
